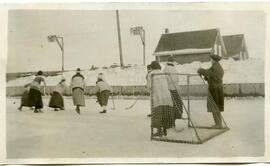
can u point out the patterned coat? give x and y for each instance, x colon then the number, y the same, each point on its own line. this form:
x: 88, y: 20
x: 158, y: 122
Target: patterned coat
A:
x: 214, y: 76
x: 160, y: 90
x: 61, y: 88
x: 77, y: 81
x: 36, y: 83
x: 102, y: 86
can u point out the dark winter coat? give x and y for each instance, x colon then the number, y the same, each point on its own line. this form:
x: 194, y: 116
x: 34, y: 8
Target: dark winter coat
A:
x: 214, y: 76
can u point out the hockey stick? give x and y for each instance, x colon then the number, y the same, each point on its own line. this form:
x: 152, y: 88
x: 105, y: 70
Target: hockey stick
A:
x: 113, y: 108
x: 127, y: 108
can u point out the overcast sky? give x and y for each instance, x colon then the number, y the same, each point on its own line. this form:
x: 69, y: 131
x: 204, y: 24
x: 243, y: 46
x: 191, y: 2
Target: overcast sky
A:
x: 90, y: 37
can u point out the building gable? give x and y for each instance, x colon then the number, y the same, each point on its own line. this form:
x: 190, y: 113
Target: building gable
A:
x: 235, y: 44
x: 203, y: 39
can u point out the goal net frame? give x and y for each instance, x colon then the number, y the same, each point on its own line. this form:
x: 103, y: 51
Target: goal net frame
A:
x: 186, y: 109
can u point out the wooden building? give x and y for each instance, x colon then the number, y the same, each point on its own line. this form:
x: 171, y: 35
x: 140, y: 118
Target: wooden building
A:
x: 187, y: 47
x: 236, y: 47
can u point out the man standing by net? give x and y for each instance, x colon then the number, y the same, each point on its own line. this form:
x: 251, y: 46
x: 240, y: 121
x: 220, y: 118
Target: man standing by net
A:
x: 215, y: 99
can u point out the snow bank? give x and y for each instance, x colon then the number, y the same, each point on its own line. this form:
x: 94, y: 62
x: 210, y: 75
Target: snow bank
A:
x: 248, y: 71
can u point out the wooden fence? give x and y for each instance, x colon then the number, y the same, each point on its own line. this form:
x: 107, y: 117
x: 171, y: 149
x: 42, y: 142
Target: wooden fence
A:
x: 230, y: 90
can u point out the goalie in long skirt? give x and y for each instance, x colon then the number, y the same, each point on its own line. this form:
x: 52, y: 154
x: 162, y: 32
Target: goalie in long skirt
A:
x: 103, y: 90
x: 215, y: 100
x: 57, y: 101
x: 162, y: 105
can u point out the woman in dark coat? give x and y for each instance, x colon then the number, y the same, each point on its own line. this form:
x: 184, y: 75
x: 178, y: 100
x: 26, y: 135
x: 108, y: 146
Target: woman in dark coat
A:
x: 35, y: 99
x: 215, y: 100
x: 56, y: 100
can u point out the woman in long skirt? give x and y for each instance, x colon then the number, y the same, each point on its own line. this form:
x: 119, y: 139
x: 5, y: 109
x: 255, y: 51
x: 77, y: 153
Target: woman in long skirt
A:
x: 56, y: 100
x: 103, y: 92
x: 162, y: 105
x: 78, y: 85
x: 25, y: 97
x: 35, y: 99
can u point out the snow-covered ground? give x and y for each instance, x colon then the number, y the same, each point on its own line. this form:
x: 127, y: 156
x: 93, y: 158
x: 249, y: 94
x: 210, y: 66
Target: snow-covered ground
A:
x: 126, y: 133
x: 248, y: 71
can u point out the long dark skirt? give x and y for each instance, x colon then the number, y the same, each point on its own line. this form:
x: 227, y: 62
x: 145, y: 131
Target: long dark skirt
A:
x: 162, y: 116
x: 215, y: 99
x: 35, y: 99
x: 25, y: 99
x: 56, y: 101
x: 103, y: 97
x: 177, y: 104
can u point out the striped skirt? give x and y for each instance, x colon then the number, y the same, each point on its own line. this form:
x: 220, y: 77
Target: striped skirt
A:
x: 162, y: 116
x: 56, y: 101
x: 78, y: 97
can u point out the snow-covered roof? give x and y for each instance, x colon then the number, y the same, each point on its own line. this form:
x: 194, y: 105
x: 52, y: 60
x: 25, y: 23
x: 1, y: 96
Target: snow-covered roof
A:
x: 183, y: 51
x: 200, y: 39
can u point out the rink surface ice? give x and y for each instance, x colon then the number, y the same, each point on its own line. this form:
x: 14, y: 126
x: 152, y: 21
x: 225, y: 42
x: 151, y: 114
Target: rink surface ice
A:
x: 126, y: 133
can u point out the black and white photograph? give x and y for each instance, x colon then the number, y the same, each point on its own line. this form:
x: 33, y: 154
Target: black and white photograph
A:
x: 124, y: 83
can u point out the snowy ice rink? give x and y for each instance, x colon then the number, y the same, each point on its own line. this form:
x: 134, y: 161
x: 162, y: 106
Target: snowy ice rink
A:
x: 126, y: 133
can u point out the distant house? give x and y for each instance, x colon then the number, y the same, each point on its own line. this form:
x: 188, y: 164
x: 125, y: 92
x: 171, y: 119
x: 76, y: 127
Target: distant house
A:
x: 187, y: 47
x: 236, y: 47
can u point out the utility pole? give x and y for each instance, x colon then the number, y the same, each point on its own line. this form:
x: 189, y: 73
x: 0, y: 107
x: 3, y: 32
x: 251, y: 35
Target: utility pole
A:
x: 119, y: 38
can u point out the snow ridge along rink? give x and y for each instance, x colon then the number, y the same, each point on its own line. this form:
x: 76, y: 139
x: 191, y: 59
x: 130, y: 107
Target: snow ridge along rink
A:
x: 125, y: 133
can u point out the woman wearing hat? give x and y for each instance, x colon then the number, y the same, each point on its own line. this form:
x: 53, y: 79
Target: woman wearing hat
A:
x: 35, y: 99
x: 173, y: 82
x: 56, y: 100
x: 162, y: 105
x: 77, y: 86
x: 215, y: 100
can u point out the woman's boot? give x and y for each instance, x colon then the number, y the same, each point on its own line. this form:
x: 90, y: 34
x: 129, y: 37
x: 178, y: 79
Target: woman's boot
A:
x: 158, y: 133
x: 164, y: 131
x: 78, y: 109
